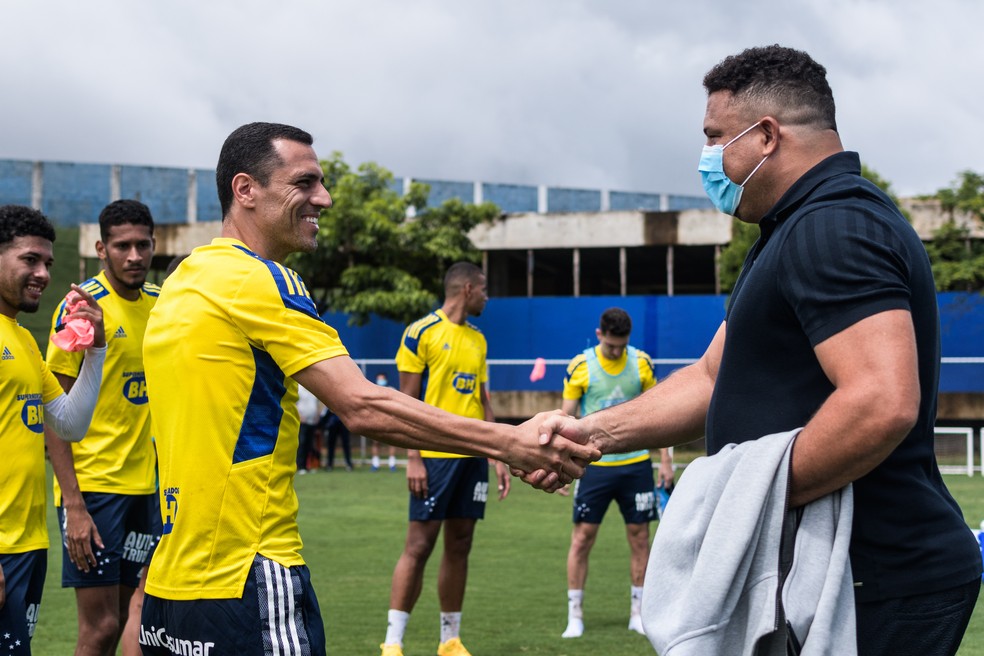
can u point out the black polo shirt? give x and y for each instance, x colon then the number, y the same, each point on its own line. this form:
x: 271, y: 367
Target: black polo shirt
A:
x: 833, y: 251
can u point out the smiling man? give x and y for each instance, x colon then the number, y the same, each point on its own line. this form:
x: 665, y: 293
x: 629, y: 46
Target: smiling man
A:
x: 232, y: 335
x: 105, y: 486
x: 30, y: 396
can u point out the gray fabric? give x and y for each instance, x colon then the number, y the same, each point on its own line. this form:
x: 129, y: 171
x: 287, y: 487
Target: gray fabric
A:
x: 713, y: 577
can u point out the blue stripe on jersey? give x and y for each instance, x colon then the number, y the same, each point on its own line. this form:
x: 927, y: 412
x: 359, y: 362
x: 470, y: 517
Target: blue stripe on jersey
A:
x: 292, y: 290
x: 412, y: 337
x: 261, y: 421
x: 95, y: 288
x: 92, y: 286
x: 151, y: 290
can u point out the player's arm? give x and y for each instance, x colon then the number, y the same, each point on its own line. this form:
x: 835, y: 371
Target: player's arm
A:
x: 80, y: 530
x: 575, y: 386
x: 411, y: 384
x: 503, y: 478
x: 70, y: 413
x: 874, y: 370
x: 385, y: 414
x: 673, y: 412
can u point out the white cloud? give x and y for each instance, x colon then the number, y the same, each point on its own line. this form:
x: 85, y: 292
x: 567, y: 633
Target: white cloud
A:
x: 579, y: 93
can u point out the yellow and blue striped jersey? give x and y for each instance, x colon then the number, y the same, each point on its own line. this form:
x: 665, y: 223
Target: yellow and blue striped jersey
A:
x: 228, y: 332
x: 451, y: 359
x: 117, y: 455
x: 25, y: 386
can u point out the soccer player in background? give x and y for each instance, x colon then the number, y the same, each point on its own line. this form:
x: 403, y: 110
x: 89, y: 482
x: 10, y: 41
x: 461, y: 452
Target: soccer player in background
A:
x: 105, y: 486
x: 233, y: 334
x: 605, y: 375
x: 30, y: 397
x: 447, y: 490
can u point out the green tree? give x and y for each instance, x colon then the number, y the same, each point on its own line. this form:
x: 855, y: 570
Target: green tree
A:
x: 374, y: 259
x: 958, y: 260
x: 966, y: 195
x: 743, y: 235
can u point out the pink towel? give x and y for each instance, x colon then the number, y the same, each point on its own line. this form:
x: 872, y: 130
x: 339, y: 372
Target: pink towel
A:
x: 76, y: 334
x: 539, y: 370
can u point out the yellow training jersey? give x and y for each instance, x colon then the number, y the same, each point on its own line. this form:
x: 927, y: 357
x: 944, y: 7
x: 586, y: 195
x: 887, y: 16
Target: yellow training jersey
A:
x: 451, y: 358
x: 228, y: 331
x: 117, y: 455
x: 25, y: 386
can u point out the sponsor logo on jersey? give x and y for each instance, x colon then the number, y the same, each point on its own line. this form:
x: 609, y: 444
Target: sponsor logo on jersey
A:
x: 7, y: 355
x: 135, y: 387
x: 32, y: 414
x: 464, y: 383
x: 158, y: 637
x: 119, y: 333
x: 170, y: 508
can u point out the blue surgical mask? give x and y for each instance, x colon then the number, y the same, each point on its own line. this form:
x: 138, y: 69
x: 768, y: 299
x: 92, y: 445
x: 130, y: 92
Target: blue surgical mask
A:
x: 723, y: 192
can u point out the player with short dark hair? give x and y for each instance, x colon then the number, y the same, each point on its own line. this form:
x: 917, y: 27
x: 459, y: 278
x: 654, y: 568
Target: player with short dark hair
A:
x: 105, y: 487
x: 31, y: 398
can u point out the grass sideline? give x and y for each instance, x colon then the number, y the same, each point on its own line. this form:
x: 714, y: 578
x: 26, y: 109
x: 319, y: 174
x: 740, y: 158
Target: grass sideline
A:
x: 353, y: 525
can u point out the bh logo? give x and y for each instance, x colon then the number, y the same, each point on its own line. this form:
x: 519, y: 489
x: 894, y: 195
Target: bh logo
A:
x: 33, y: 415
x: 170, y: 509
x: 135, y: 389
x: 464, y: 383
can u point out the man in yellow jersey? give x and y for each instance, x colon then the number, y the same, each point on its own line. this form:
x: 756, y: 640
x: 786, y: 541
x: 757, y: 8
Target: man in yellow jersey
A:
x: 30, y: 396
x: 602, y: 376
x: 233, y: 334
x: 105, y: 487
x: 442, y: 360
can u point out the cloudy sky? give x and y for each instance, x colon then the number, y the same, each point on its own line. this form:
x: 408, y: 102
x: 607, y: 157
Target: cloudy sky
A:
x: 581, y: 93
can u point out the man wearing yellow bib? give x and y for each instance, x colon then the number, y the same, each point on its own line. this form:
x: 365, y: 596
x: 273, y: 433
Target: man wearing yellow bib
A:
x: 602, y: 376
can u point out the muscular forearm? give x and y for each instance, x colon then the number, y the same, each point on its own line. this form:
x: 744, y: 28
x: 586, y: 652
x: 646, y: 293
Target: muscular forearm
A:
x: 672, y: 412
x: 396, y: 418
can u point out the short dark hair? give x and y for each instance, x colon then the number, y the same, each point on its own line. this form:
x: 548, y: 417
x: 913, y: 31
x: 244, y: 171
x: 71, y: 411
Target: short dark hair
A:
x: 20, y: 221
x: 121, y: 212
x: 615, y: 322
x: 790, y: 81
x: 458, y: 274
x: 249, y: 149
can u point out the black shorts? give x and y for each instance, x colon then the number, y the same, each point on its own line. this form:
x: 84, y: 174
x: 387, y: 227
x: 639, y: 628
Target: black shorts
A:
x: 630, y: 485
x: 24, y: 575
x: 278, y: 615
x: 130, y: 527
x: 456, y: 489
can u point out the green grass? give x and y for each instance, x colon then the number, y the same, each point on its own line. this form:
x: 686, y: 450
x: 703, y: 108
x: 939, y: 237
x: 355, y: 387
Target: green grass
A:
x: 354, y: 523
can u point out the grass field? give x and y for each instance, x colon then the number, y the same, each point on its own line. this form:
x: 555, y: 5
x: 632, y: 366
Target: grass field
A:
x: 353, y: 525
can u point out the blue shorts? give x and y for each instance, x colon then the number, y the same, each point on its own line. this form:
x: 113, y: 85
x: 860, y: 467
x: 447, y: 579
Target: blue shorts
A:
x: 630, y: 485
x: 278, y: 614
x: 457, y: 489
x: 130, y: 526
x: 24, y: 574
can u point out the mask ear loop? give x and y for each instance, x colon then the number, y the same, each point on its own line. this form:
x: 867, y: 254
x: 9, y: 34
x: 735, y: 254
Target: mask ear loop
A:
x: 755, y: 169
x: 744, y: 132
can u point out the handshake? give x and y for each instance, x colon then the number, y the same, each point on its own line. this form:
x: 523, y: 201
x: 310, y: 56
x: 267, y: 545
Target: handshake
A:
x: 551, y: 450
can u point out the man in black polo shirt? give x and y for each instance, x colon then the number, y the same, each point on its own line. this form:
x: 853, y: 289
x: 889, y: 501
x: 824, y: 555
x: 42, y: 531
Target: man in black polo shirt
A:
x: 833, y: 326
